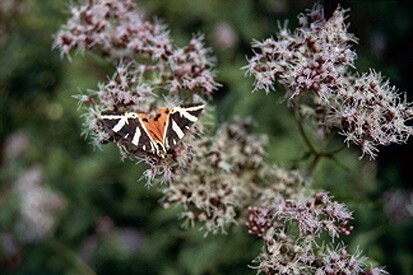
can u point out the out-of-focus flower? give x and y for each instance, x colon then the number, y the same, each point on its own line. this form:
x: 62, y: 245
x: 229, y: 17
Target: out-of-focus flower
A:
x: 9, y: 10
x: 128, y: 240
x: 16, y: 144
x: 10, y: 254
x: 398, y: 205
x: 225, y: 36
x: 39, y: 207
x: 124, y: 242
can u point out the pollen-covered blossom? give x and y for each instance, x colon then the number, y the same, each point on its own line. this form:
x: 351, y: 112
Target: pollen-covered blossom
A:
x: 117, y: 28
x: 314, y: 62
x: 286, y: 253
x: 39, y: 207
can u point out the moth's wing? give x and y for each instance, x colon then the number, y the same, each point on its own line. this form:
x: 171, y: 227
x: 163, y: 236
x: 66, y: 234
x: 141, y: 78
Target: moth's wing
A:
x: 141, y: 137
x: 157, y: 124
x: 129, y: 126
x: 179, y: 120
x: 110, y: 119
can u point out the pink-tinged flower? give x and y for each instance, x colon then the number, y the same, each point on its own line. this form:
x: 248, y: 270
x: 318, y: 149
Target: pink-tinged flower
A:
x: 315, y: 61
x: 313, y: 57
x: 118, y: 28
x: 260, y: 220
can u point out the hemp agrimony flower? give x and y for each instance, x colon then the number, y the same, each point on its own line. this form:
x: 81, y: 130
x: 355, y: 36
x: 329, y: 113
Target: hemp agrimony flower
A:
x: 315, y: 63
x: 219, y: 176
x: 150, y: 72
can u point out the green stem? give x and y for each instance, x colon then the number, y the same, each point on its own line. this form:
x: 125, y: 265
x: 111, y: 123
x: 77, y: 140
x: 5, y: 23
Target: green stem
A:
x: 71, y: 257
x: 301, y: 128
x: 318, y: 154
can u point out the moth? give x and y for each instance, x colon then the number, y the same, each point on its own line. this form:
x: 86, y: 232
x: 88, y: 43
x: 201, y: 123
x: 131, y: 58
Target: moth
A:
x: 157, y: 134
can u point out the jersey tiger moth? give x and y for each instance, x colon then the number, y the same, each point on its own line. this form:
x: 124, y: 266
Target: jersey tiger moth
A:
x: 156, y: 135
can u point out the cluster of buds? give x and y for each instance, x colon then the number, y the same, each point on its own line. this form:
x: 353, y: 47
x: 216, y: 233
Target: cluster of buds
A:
x: 260, y: 220
x: 314, y: 63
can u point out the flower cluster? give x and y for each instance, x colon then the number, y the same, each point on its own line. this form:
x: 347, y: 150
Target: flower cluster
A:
x: 220, y: 176
x: 314, y: 57
x: 314, y: 63
x: 398, y: 205
x: 117, y: 28
x: 369, y: 112
x: 39, y: 207
x: 286, y: 253
x: 225, y: 173
x: 151, y: 72
x: 314, y: 215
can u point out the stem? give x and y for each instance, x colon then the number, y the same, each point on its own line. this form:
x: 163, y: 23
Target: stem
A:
x: 332, y: 153
x: 317, y: 154
x: 71, y: 257
x: 313, y: 165
x: 301, y: 128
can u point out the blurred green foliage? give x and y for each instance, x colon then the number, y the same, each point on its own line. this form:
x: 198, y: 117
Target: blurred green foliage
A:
x: 36, y: 88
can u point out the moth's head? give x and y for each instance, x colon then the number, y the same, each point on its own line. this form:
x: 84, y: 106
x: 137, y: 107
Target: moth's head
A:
x: 163, y: 155
x: 161, y: 150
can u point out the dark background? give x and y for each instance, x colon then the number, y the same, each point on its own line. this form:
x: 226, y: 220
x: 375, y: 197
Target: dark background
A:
x: 111, y: 222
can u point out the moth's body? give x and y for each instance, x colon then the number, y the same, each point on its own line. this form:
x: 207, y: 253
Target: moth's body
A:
x: 158, y: 134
